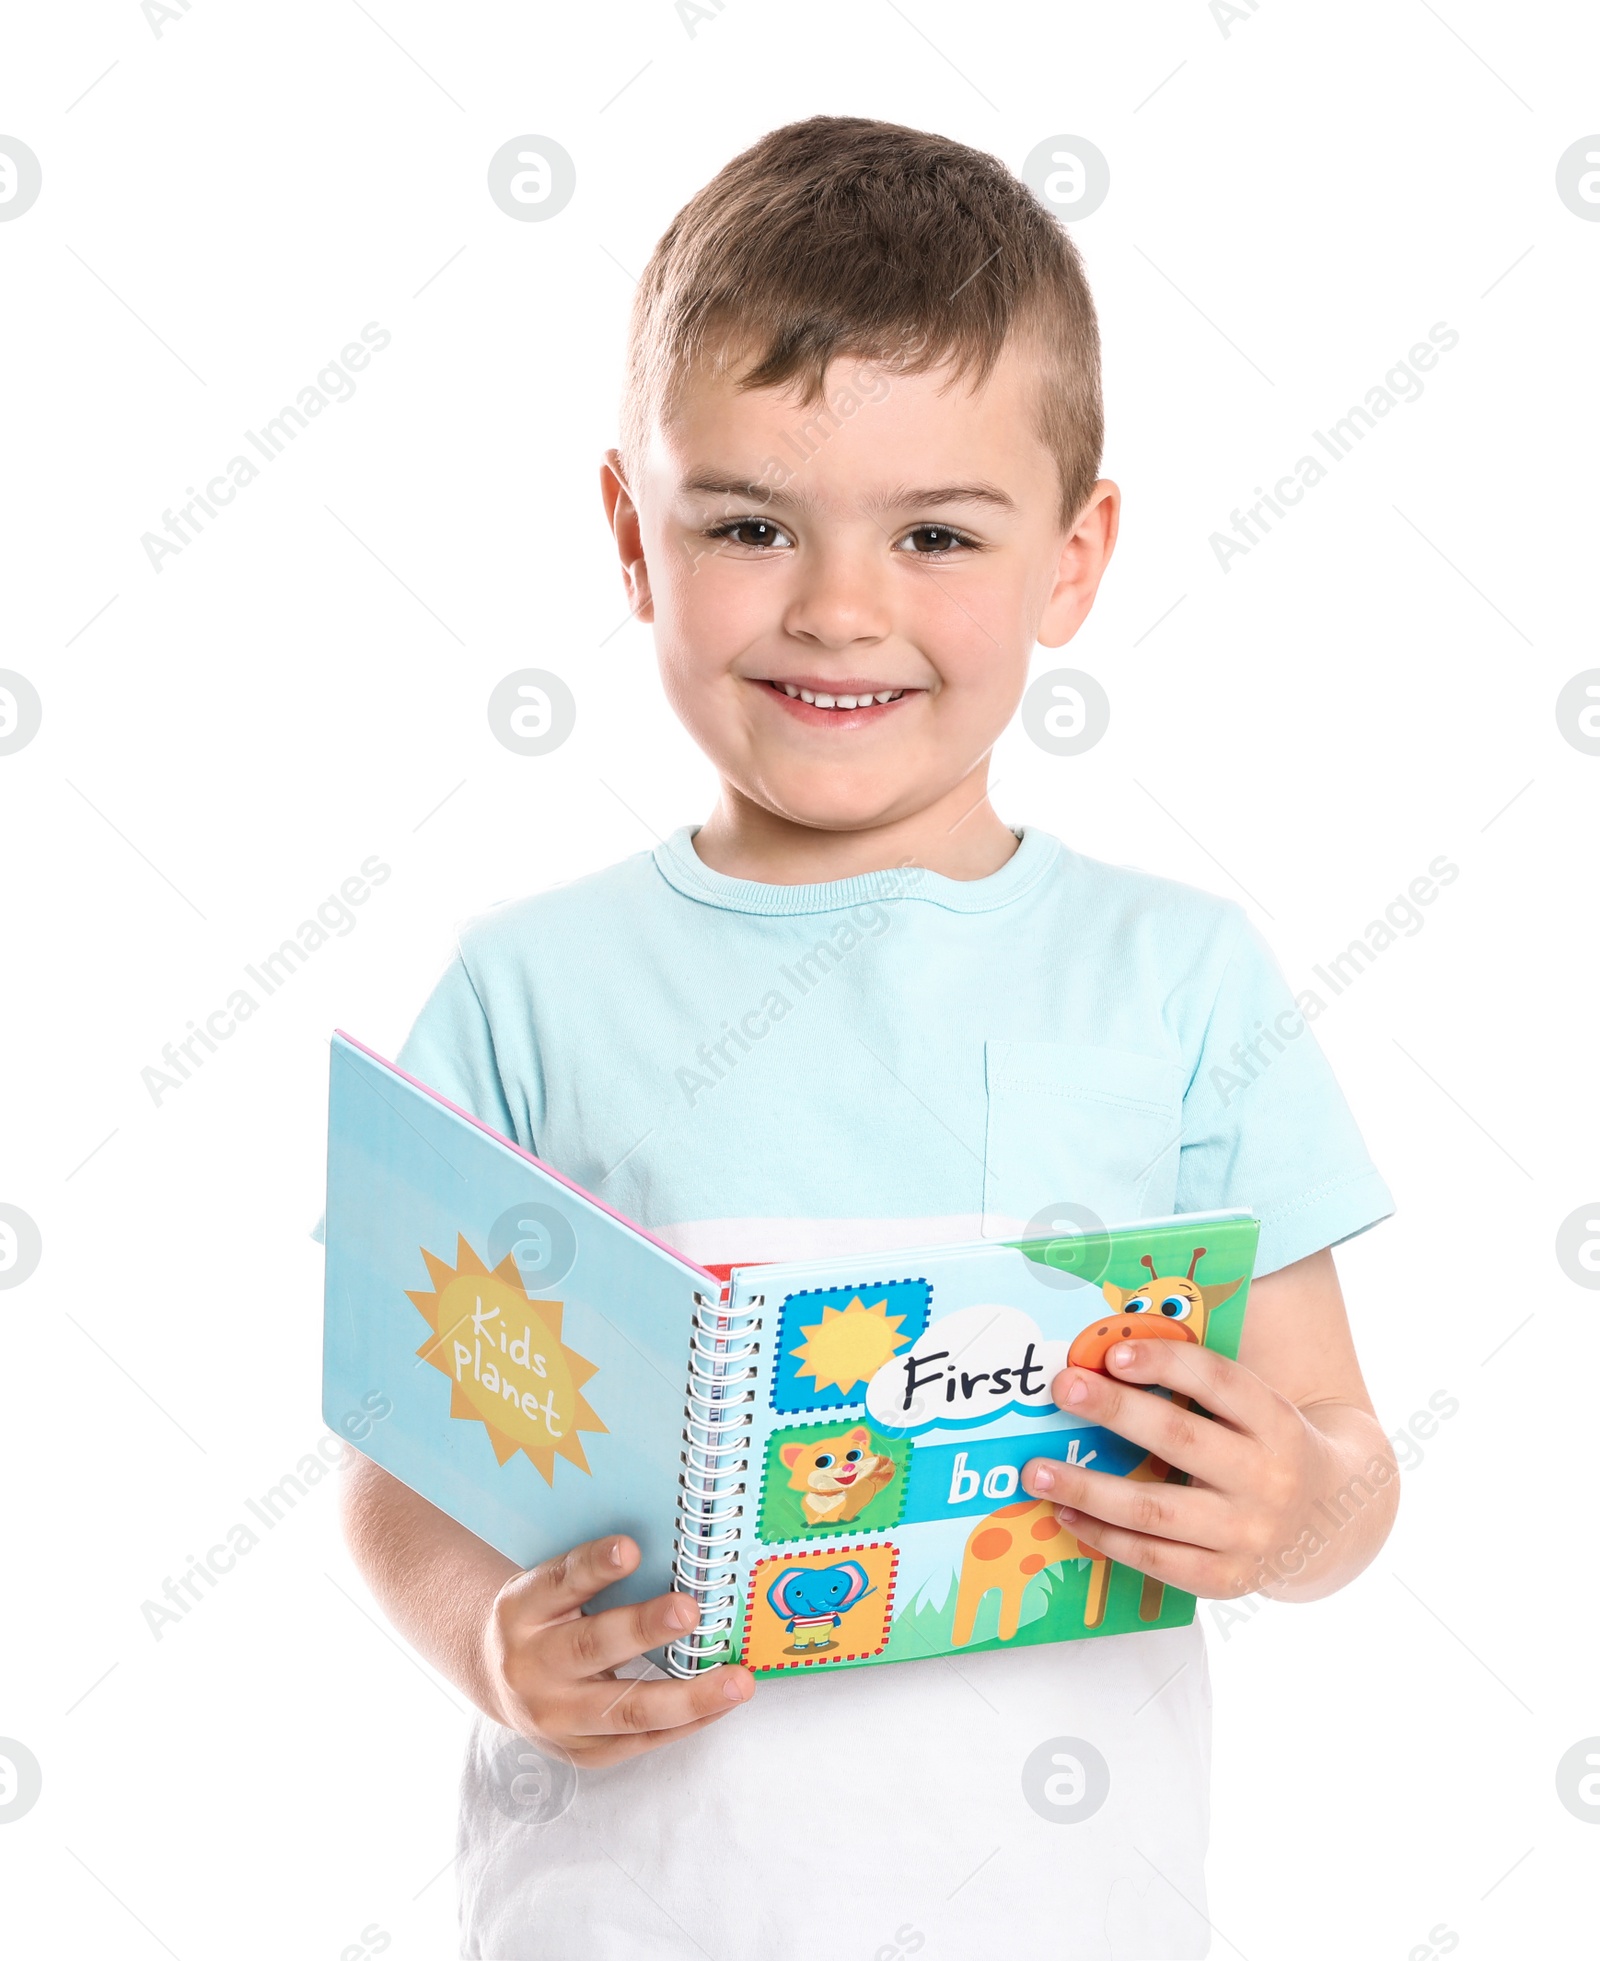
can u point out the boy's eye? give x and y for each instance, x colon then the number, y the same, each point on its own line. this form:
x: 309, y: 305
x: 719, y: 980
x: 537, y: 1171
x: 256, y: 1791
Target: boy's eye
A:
x: 932, y: 541
x: 760, y: 533
x: 1176, y: 1308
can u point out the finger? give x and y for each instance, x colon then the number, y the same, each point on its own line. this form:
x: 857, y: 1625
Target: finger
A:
x: 642, y: 1706
x: 1200, y: 1570
x: 596, y: 1752
x: 1187, y: 1438
x: 1192, y: 1514
x: 560, y: 1586
x: 588, y: 1644
x: 1232, y: 1394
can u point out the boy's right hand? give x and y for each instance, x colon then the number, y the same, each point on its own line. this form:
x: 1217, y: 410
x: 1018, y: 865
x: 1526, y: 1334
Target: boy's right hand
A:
x: 550, y: 1665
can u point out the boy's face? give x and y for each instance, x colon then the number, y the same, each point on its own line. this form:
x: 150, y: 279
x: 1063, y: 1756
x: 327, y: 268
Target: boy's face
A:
x: 902, y: 538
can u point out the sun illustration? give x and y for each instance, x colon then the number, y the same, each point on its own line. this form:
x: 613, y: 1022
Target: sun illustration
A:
x: 505, y: 1359
x: 849, y: 1344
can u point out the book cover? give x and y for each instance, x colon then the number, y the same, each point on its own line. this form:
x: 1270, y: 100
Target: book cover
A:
x: 528, y: 1349
x: 825, y: 1453
x: 895, y: 1407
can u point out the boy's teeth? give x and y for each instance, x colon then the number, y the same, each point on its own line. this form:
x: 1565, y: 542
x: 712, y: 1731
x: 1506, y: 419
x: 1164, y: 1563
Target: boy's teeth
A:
x: 839, y: 701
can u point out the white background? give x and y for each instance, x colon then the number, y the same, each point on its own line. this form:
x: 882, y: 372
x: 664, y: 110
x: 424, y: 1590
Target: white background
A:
x: 1293, y: 204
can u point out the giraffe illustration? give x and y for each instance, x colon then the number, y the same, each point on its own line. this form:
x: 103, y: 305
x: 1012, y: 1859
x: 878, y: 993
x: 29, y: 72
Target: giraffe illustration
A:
x: 1172, y: 1307
x: 1006, y: 1550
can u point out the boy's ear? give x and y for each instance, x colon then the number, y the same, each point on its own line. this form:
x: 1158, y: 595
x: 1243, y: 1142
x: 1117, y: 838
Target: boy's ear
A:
x: 1085, y: 553
x: 622, y: 515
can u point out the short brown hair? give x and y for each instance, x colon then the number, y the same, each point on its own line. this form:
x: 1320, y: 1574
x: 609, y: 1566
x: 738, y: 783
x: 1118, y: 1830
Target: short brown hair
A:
x: 844, y: 236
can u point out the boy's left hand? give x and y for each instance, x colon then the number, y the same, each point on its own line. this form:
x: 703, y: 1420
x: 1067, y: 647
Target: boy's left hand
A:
x: 1257, y: 1464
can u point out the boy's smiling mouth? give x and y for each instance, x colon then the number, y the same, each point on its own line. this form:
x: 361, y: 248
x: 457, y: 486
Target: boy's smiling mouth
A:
x: 853, y: 702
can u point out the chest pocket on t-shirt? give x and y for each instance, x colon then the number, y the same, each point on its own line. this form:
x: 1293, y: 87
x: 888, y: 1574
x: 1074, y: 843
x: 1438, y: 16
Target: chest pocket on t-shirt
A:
x: 1081, y: 1126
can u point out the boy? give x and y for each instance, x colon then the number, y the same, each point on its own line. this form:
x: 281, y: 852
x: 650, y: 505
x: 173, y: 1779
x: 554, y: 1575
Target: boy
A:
x: 858, y: 483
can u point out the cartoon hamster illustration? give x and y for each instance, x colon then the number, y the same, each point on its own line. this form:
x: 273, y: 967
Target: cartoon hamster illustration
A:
x: 811, y: 1600
x: 840, y: 1474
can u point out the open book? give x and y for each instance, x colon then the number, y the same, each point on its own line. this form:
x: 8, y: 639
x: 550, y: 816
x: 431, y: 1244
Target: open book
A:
x: 825, y: 1453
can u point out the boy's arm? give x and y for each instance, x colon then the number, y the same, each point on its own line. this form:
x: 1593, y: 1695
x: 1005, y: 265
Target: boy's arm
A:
x: 435, y: 1580
x: 519, y: 1644
x: 1293, y: 1485
x: 1297, y: 1339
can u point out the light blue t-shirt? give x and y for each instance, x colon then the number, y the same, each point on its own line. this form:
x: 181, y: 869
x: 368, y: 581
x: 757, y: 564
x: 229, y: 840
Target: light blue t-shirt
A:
x: 758, y: 1072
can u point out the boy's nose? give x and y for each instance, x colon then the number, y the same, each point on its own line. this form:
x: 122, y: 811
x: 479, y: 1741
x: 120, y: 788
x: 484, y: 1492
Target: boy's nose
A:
x: 839, y: 603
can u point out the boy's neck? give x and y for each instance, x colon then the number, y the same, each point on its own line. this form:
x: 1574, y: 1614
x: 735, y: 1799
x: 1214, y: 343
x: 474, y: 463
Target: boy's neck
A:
x: 960, y: 836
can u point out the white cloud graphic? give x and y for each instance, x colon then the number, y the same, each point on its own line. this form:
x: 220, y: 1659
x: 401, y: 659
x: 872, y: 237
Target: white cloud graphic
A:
x: 968, y: 1367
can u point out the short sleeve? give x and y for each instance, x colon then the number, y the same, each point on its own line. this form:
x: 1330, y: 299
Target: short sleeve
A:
x: 451, y: 1050
x: 1265, y: 1126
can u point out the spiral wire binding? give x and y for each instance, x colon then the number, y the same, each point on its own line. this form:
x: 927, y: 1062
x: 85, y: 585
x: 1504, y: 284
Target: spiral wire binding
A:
x: 716, y: 1436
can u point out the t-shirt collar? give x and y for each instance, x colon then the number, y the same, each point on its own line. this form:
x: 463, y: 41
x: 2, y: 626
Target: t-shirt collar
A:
x: 680, y: 865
